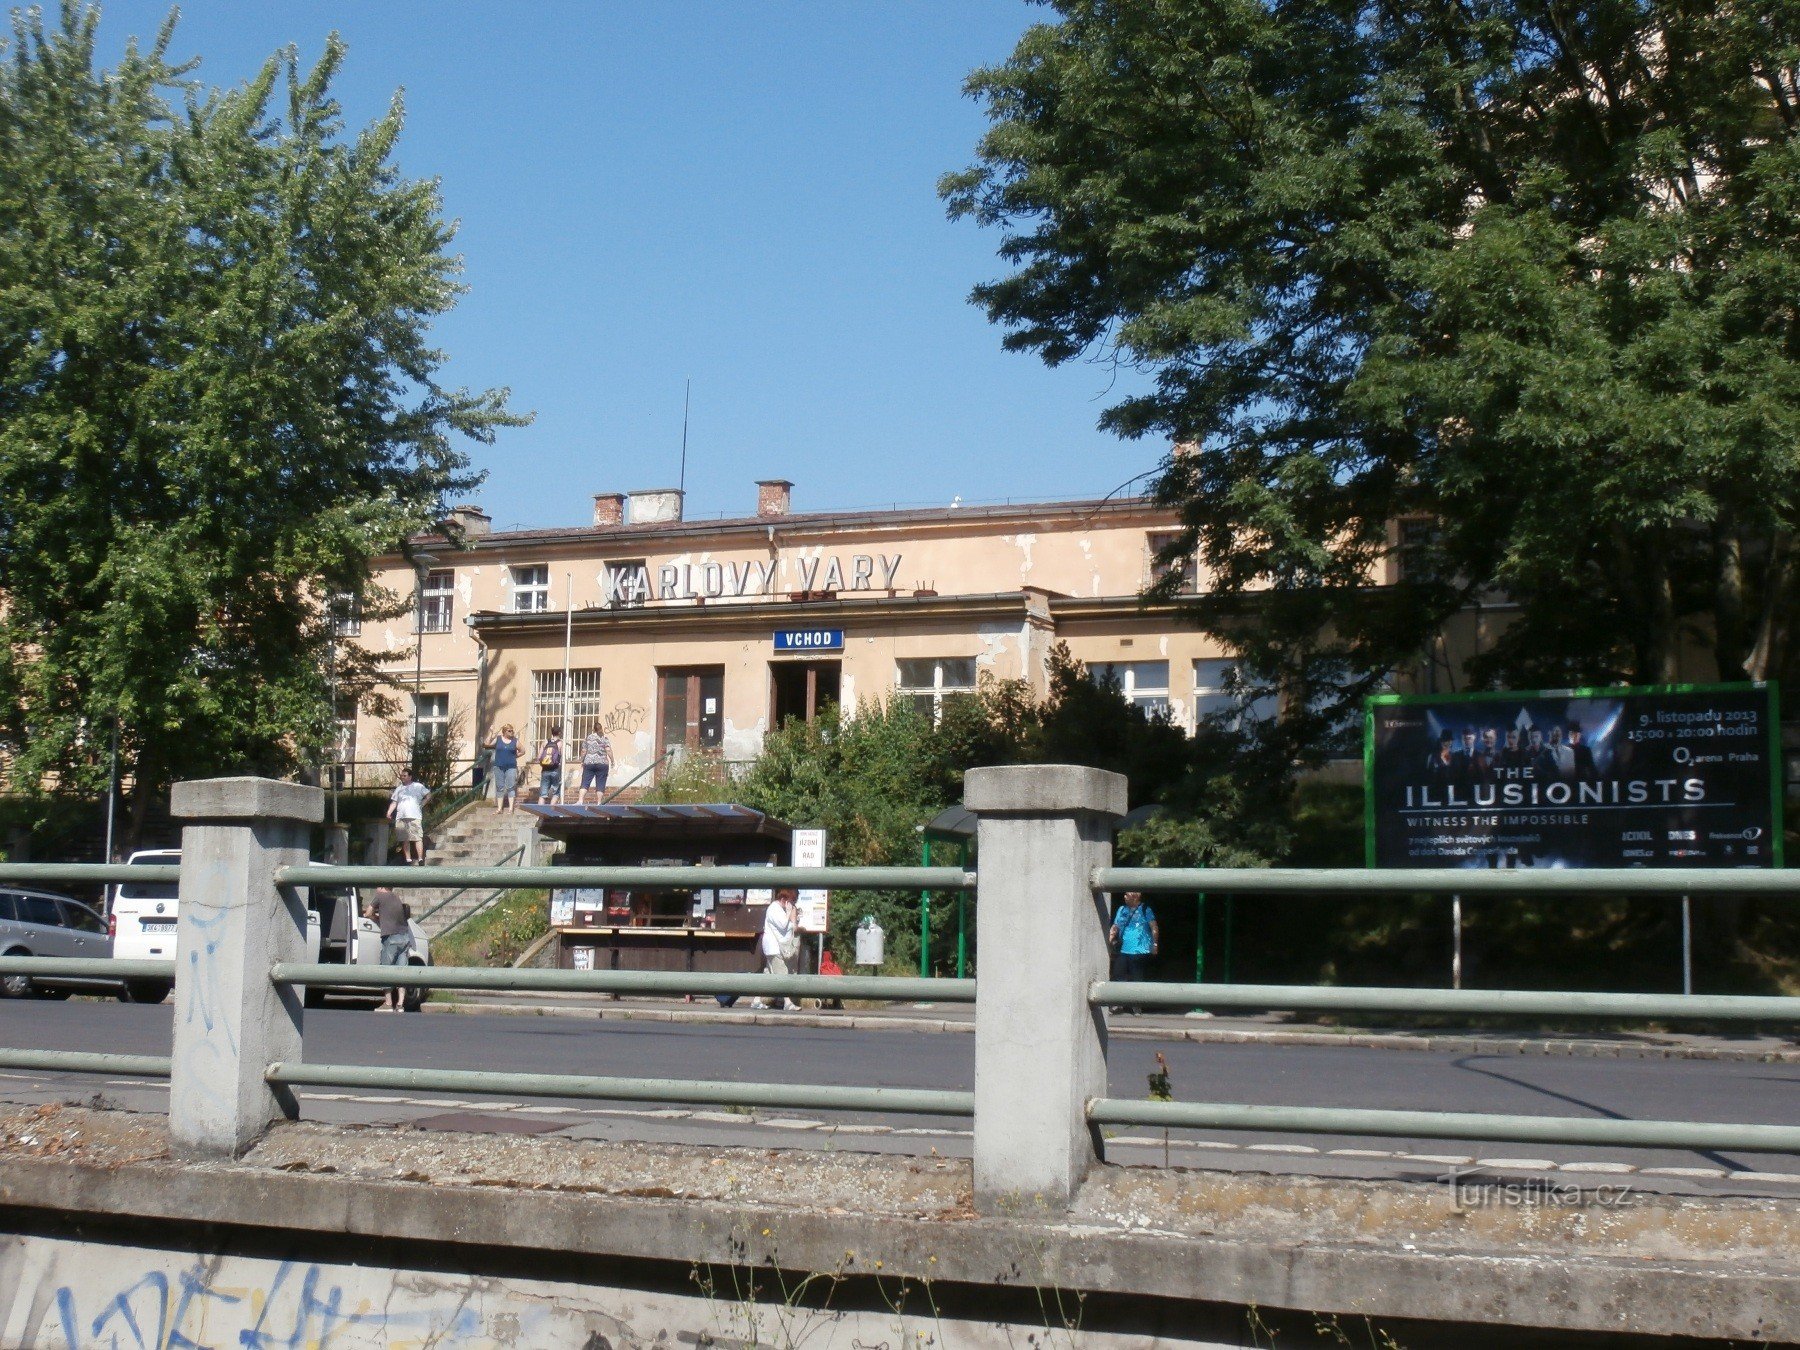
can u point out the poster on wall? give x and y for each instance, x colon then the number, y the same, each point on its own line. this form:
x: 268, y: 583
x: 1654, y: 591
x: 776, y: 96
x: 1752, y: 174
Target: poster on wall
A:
x: 814, y: 905
x: 1673, y: 776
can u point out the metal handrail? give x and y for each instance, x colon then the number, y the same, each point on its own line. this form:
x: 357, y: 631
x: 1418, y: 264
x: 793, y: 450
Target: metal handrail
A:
x: 804, y: 1096
x: 898, y: 989
x: 675, y: 878
x: 76, y: 1061
x: 1475, y: 1002
x: 1452, y: 880
x: 88, y: 967
x: 103, y: 873
x: 464, y: 890
x: 1682, y: 1134
x: 637, y: 777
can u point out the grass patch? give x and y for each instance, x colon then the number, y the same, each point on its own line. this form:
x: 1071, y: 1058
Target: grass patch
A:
x: 497, y: 935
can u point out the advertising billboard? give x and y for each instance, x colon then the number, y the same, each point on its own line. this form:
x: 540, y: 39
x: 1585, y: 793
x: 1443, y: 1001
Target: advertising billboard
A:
x: 1672, y: 776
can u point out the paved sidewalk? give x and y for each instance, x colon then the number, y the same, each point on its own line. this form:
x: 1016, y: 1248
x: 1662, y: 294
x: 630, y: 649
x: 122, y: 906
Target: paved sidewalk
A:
x: 1268, y: 1029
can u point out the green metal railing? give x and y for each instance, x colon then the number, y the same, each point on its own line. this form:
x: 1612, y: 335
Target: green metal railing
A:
x: 1328, y: 1120
x: 627, y: 982
x: 677, y: 878
x: 97, y: 873
x: 1468, y: 1002
x: 1680, y: 1134
x: 1533, y: 881
x: 74, y: 1061
x: 687, y: 1091
x: 1102, y: 1110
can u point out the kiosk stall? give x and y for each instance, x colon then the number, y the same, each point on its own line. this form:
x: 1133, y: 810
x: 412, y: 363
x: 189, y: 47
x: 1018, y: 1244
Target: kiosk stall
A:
x: 689, y: 929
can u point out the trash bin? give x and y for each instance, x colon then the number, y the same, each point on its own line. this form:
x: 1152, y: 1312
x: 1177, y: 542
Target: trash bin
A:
x: 871, y: 942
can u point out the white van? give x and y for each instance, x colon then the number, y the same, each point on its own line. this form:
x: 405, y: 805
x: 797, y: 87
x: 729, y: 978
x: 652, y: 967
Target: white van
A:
x: 141, y: 919
x: 142, y: 923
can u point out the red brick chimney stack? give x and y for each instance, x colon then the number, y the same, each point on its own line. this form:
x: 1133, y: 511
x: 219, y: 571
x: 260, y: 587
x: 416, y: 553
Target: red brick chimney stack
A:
x: 774, y: 497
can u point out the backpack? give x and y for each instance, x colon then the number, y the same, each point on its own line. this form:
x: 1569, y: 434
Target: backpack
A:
x: 552, y: 758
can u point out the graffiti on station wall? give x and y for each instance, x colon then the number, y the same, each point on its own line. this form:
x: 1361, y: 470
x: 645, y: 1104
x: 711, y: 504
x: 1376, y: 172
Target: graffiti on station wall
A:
x: 625, y: 718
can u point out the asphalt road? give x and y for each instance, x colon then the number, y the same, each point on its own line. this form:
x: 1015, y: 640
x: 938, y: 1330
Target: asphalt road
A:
x: 1347, y: 1076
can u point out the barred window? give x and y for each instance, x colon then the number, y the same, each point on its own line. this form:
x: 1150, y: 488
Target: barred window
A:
x: 577, y: 711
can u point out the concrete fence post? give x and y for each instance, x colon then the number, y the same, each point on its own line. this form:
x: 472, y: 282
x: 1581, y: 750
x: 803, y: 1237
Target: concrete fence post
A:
x: 233, y: 923
x: 1040, y: 1050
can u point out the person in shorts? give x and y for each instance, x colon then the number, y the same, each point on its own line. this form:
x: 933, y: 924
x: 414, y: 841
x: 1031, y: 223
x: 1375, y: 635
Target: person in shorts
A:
x: 596, y: 762
x: 406, y: 808
x: 550, y: 768
x: 506, y: 769
x: 389, y: 913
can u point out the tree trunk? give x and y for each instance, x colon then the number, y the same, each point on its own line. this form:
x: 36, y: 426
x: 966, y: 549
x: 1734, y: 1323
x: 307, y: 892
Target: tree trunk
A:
x: 144, y: 776
x: 1658, y: 648
x: 1769, y: 650
x: 1730, y: 642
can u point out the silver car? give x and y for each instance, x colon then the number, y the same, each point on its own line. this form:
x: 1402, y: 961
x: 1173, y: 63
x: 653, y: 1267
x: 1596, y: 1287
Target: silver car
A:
x: 37, y: 923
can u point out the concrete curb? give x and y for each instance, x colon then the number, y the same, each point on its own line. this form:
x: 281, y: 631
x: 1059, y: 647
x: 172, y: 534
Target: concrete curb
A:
x: 1461, y: 1044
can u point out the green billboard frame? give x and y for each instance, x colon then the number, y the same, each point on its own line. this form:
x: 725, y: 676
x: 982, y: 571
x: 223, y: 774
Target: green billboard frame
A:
x: 1777, y: 793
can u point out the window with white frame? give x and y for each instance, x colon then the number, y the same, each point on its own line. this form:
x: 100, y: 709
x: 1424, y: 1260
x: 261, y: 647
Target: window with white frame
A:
x: 1145, y: 684
x: 577, y: 711
x: 626, y: 582
x: 346, y: 615
x: 1222, y: 697
x: 1182, y: 565
x: 927, y: 682
x: 344, y: 723
x: 531, y: 589
x: 433, y: 712
x: 437, y: 600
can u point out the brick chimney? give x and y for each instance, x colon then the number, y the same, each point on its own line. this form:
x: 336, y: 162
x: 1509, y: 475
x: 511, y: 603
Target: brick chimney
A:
x: 471, y: 521
x: 774, y: 496
x: 609, y: 509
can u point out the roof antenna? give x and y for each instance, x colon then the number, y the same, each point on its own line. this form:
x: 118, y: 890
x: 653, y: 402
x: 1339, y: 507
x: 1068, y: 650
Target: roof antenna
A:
x: 686, y: 398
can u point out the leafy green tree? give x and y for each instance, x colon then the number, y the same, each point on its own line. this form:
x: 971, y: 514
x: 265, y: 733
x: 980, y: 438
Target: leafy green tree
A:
x: 1526, y: 271
x: 872, y: 780
x: 217, y: 400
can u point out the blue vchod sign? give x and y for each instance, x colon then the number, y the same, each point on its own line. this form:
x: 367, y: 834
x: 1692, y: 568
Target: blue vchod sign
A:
x: 809, y: 639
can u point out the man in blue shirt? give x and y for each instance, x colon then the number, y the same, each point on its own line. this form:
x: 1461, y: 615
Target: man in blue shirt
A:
x: 1135, y: 934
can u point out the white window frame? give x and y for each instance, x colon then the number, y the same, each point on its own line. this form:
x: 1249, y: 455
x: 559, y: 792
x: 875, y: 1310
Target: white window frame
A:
x: 345, y: 610
x: 942, y: 684
x: 436, y: 609
x: 431, y: 717
x: 1149, y: 696
x: 530, y: 588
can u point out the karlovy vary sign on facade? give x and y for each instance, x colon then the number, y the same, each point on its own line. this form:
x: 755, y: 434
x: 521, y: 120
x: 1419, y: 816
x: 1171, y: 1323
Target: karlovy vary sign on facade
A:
x: 634, y: 583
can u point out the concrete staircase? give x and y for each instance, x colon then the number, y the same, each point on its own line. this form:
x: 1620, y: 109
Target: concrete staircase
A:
x: 473, y: 837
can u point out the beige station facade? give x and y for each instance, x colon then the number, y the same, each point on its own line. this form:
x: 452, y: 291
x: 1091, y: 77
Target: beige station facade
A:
x: 680, y: 636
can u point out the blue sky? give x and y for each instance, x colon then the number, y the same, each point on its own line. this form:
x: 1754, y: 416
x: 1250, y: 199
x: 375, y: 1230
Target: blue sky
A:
x: 740, y: 193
